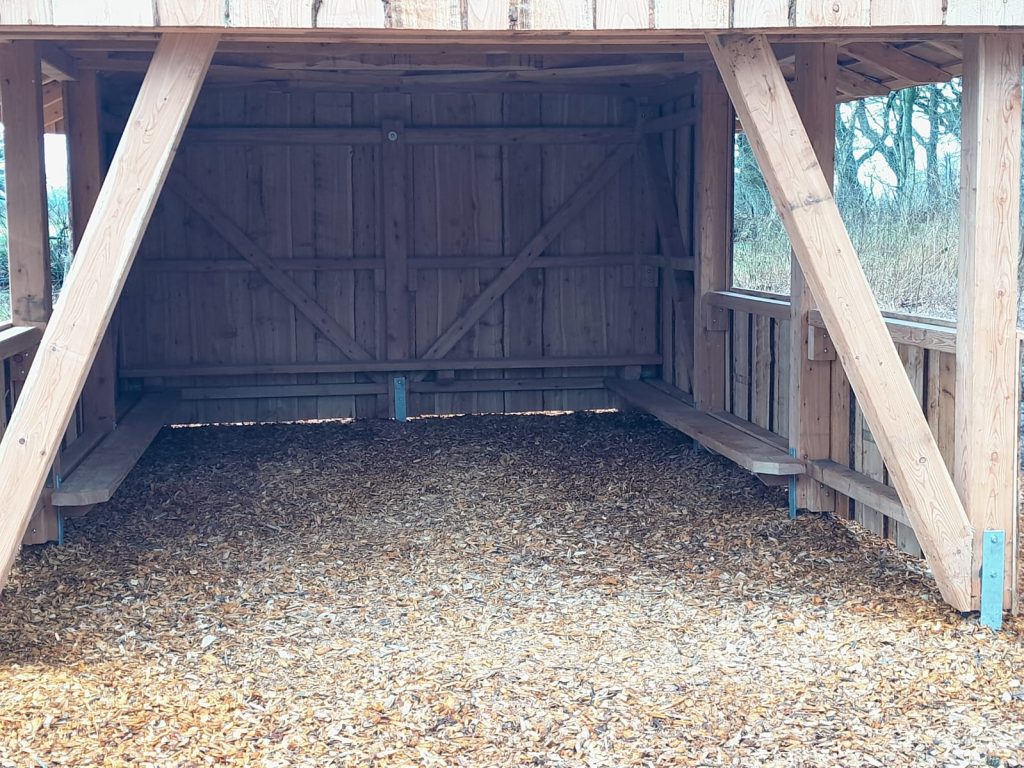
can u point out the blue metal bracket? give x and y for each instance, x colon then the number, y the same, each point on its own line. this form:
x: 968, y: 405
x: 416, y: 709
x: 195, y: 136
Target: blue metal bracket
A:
x: 792, y: 490
x: 993, y: 545
x: 401, y: 409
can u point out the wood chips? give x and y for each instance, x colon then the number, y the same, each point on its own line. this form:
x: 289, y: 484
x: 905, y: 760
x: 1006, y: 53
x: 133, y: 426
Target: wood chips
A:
x: 581, y: 590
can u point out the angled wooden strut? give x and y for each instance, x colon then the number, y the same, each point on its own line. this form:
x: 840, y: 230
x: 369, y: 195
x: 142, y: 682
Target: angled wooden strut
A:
x: 235, y: 236
x: 530, y: 252
x: 97, y: 276
x: 832, y: 270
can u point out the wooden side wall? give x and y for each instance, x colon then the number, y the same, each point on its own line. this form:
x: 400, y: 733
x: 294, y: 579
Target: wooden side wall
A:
x: 192, y: 301
x: 759, y: 392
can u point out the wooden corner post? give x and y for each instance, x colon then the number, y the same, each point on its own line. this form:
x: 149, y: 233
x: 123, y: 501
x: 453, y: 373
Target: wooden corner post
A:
x: 31, y: 291
x: 810, y: 380
x: 97, y: 275
x: 833, y: 272
x: 28, y: 236
x: 986, y: 420
x: 715, y: 134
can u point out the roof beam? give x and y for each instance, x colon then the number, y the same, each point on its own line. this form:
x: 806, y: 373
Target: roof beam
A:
x: 897, y: 63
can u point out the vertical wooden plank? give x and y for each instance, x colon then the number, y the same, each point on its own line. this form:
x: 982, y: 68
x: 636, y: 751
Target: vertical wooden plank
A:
x: 554, y: 14
x: 394, y: 215
x: 27, y: 214
x: 350, y: 14
x: 833, y: 13
x: 302, y: 177
x: 103, y: 13
x: 26, y: 12
x: 895, y: 13
x: 82, y: 113
x: 523, y: 303
x: 984, y: 12
x: 761, y: 368
x: 333, y: 238
x: 810, y: 381
x: 987, y: 417
x: 914, y: 363
x: 740, y: 365
x: 715, y: 133
x: 868, y: 461
x: 487, y: 14
x: 760, y: 13
x: 259, y: 13
x: 415, y: 14
x: 622, y: 14
x: 487, y: 184
x: 941, y: 388
x: 190, y: 13
x: 684, y: 14
x: 366, y: 240
x: 782, y: 398
x: 97, y: 276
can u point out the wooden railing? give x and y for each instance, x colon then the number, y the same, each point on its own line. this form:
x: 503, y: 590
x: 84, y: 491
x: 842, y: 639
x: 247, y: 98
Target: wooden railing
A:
x: 758, y: 391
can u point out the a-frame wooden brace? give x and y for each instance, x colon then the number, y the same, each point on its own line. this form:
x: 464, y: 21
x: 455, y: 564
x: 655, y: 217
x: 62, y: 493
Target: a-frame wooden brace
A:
x: 833, y: 272
x: 97, y: 275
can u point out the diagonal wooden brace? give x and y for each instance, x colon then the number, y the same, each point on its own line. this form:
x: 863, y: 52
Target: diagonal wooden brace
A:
x: 97, y: 275
x: 832, y: 269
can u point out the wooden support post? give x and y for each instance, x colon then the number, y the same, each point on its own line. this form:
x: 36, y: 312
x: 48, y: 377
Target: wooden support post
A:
x: 85, y: 160
x: 97, y: 276
x: 832, y: 269
x: 810, y: 380
x: 28, y: 235
x: 28, y: 224
x: 714, y: 147
x: 986, y: 419
x: 394, y: 187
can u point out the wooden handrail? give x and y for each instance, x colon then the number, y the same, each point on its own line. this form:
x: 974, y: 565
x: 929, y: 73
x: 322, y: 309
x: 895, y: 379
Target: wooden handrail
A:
x: 17, y: 339
x: 926, y: 333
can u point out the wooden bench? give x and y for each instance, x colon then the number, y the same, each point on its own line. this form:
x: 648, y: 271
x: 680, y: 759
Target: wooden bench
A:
x: 752, y: 452
x: 100, y: 473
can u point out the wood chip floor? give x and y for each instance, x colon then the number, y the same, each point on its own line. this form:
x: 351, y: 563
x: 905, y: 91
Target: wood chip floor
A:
x: 581, y: 590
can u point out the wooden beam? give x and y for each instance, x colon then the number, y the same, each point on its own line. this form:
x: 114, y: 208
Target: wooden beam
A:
x: 96, y: 278
x: 987, y: 370
x: 395, y: 218
x: 103, y: 470
x: 57, y: 63
x: 810, y: 381
x: 713, y: 216
x: 208, y: 210
x: 356, y: 135
x: 85, y: 164
x: 395, y: 366
x: 833, y: 271
x: 530, y: 252
x: 28, y: 233
x: 898, y: 63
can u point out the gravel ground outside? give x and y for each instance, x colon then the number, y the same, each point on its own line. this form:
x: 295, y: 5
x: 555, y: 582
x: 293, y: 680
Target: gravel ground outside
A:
x: 581, y: 590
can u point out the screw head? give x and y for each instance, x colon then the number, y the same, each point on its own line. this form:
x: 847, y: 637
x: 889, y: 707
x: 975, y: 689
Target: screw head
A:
x: 392, y: 135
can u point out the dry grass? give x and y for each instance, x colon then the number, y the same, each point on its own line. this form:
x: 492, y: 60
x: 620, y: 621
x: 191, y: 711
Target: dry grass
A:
x: 573, y: 591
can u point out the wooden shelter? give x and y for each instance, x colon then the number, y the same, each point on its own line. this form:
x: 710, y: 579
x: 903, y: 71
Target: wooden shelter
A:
x: 313, y: 209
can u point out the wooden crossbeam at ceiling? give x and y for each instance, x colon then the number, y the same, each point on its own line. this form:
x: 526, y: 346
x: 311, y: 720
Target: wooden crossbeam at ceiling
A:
x: 898, y: 63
